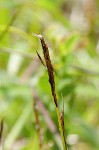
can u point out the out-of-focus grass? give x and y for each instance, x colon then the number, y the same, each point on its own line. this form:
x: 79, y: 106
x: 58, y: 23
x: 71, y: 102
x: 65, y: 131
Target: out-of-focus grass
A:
x: 72, y: 36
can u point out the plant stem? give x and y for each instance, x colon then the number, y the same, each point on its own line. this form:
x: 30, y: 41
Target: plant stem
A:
x: 50, y: 71
x: 61, y: 130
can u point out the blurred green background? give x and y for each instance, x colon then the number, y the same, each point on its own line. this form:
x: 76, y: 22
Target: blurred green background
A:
x: 71, y: 30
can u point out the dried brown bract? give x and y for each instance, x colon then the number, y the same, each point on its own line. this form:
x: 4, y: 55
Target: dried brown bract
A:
x: 40, y: 58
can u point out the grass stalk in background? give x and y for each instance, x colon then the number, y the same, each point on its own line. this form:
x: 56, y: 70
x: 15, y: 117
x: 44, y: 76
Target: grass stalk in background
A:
x: 1, y: 132
x: 37, y: 123
x: 50, y: 70
x: 16, y: 13
x: 20, y: 123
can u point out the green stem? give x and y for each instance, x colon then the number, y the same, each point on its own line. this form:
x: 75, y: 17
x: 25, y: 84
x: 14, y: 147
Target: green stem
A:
x: 61, y: 129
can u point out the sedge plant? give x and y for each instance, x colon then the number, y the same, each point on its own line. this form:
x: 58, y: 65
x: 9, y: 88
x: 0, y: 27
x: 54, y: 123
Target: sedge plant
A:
x: 50, y: 70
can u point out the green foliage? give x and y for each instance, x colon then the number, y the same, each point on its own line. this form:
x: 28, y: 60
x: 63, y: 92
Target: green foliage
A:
x: 71, y: 33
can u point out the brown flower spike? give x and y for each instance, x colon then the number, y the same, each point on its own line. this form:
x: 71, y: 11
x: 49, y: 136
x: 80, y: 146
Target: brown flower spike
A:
x: 49, y: 66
